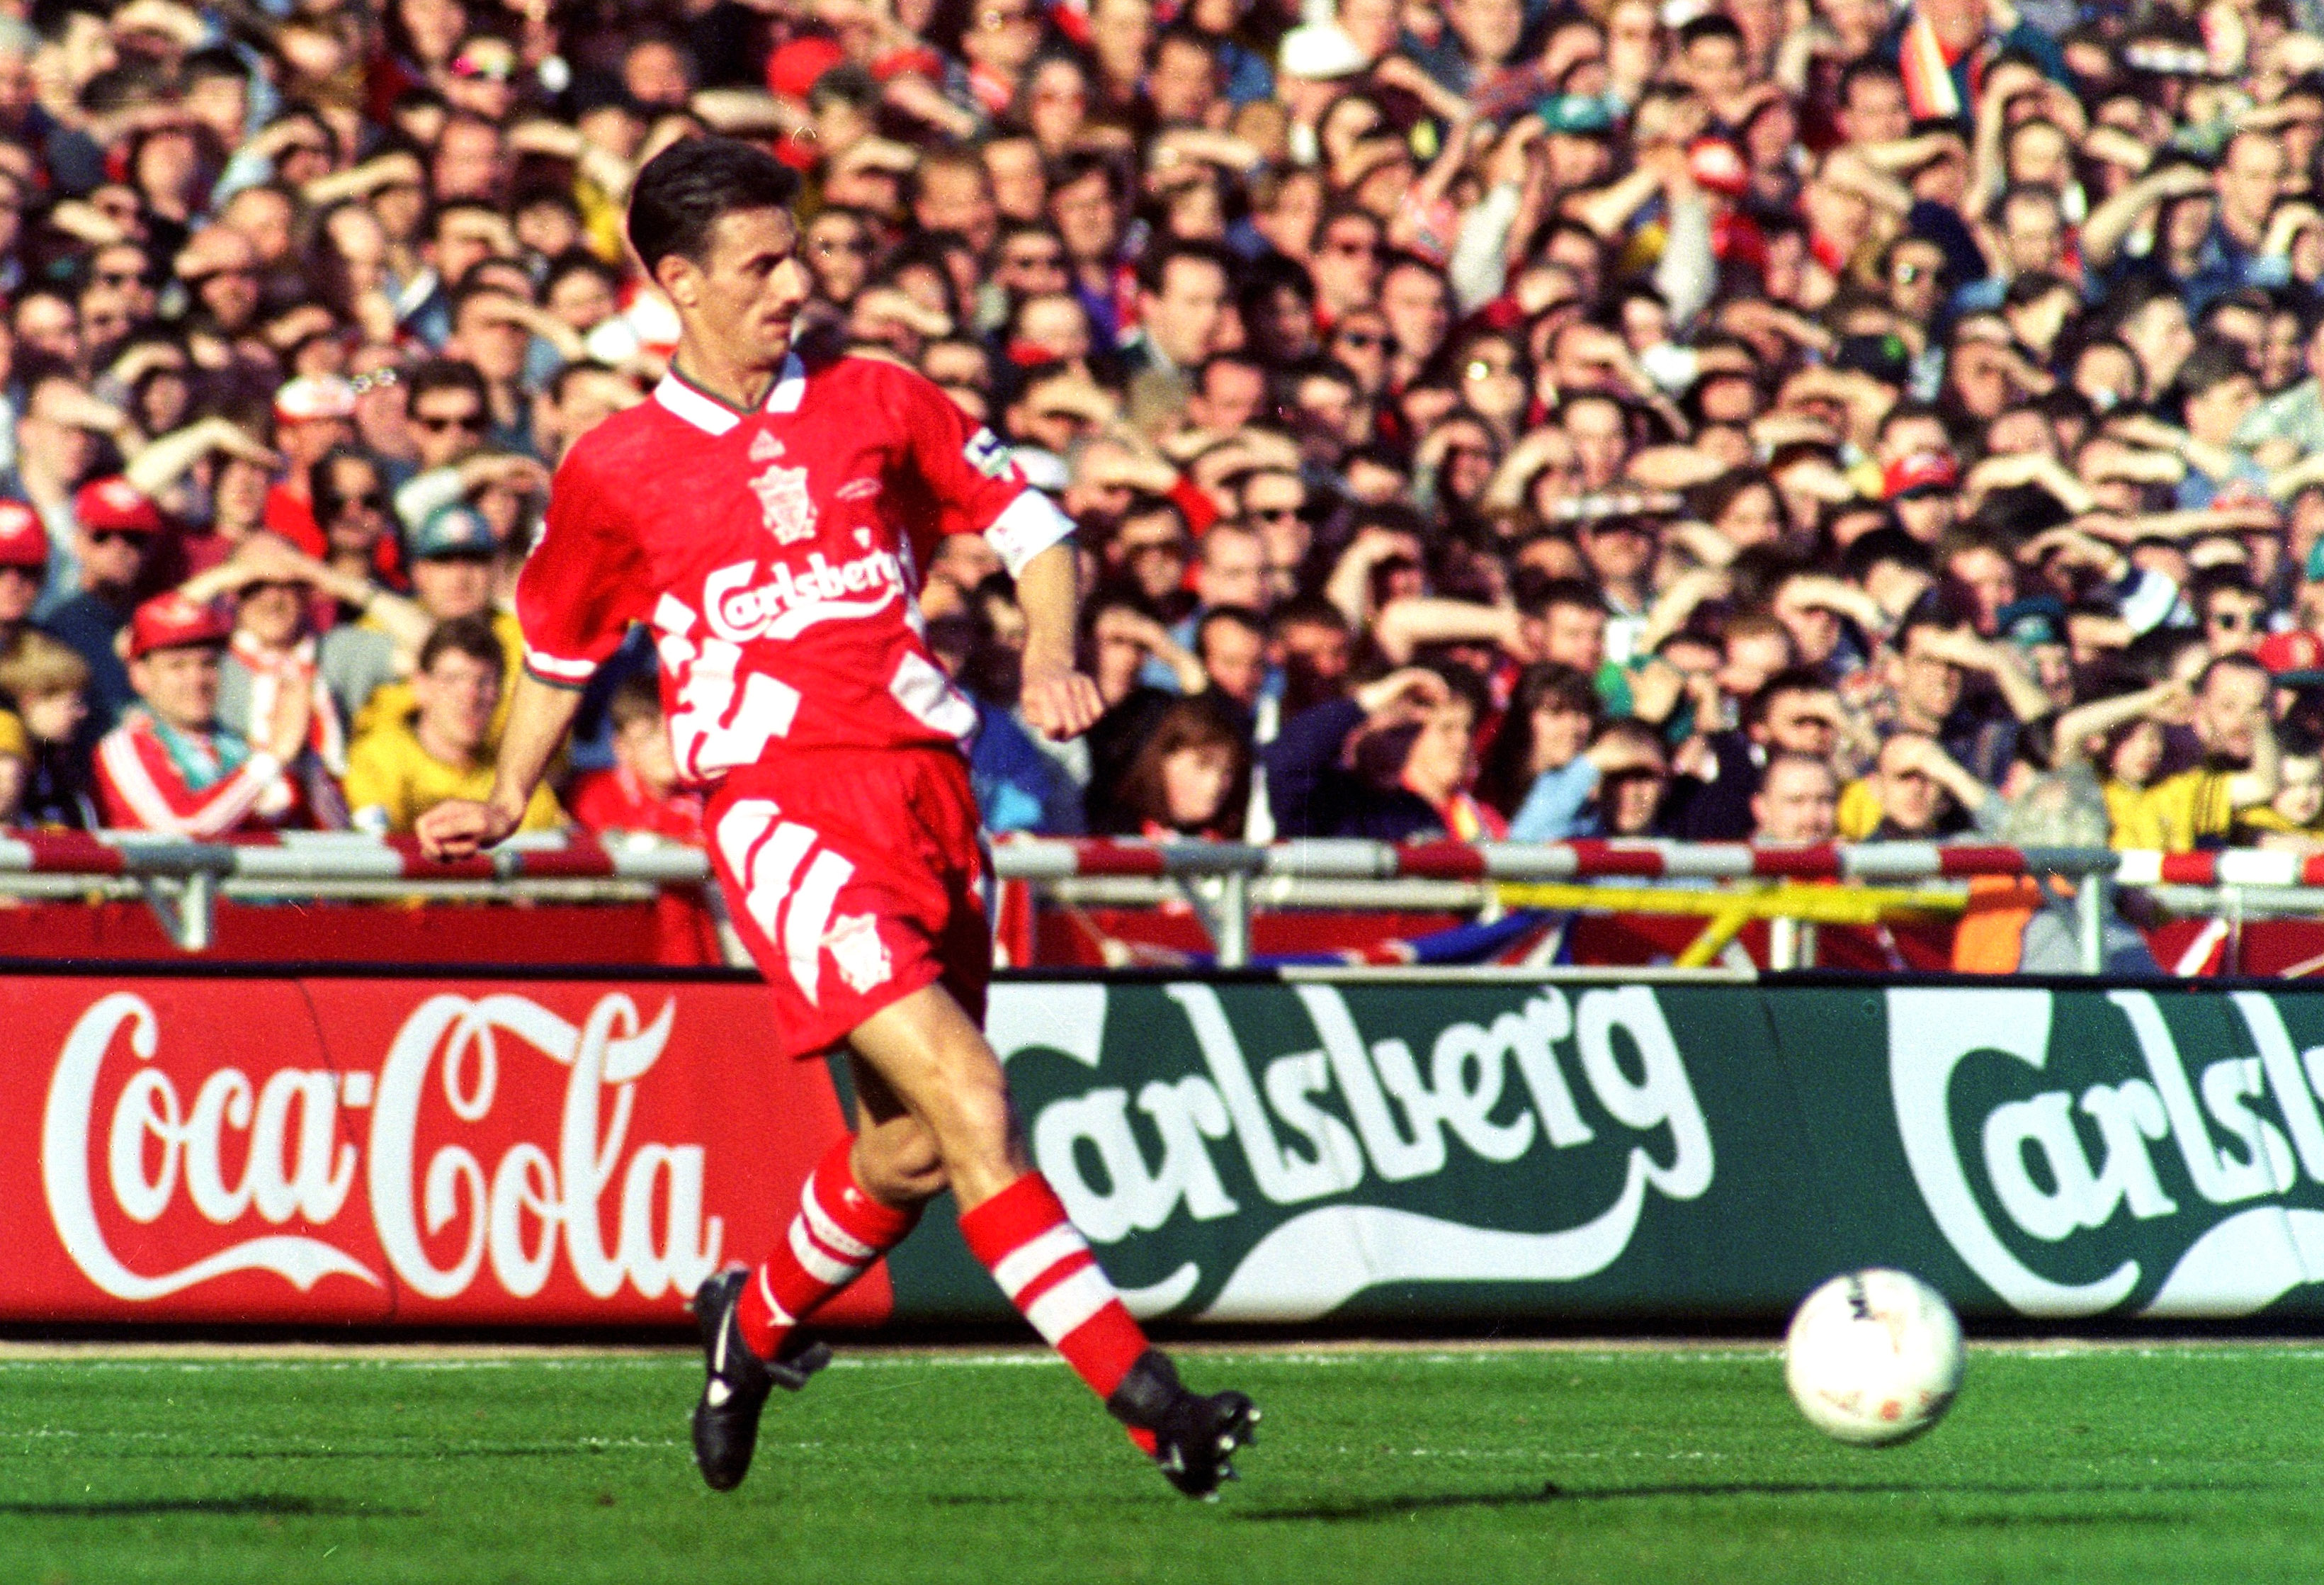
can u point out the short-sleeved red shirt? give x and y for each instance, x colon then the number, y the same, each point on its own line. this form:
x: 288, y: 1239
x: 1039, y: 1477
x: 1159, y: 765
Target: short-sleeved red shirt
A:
x: 776, y: 554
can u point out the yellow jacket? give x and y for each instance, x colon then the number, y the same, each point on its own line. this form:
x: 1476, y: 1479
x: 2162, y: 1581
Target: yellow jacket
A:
x: 2172, y: 816
x: 391, y: 782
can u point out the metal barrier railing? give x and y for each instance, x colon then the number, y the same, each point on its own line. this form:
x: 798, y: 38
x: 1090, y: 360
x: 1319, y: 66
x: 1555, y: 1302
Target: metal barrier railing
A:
x: 1725, y: 882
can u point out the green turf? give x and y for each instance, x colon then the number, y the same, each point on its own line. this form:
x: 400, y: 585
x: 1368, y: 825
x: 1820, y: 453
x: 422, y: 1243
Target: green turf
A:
x: 2169, y: 1464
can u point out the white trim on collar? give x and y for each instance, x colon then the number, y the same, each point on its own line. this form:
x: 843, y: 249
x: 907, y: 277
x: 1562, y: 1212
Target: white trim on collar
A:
x: 686, y: 402
x: 709, y: 415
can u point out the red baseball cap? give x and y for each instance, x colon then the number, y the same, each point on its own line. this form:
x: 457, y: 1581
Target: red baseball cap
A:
x: 23, y: 540
x: 792, y: 68
x: 2297, y: 651
x: 1922, y: 471
x: 171, y: 621
x: 1716, y: 164
x: 115, y: 505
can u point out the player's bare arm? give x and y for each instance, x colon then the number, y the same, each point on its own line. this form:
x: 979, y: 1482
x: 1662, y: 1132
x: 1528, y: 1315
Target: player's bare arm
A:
x: 1057, y: 698
x: 540, y: 715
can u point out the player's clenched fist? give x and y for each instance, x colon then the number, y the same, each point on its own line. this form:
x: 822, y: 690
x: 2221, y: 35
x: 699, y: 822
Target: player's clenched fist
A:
x: 1061, y: 702
x: 457, y: 828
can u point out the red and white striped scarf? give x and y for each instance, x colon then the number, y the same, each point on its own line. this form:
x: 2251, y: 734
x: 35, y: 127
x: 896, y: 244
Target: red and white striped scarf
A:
x: 269, y: 670
x: 1930, y: 91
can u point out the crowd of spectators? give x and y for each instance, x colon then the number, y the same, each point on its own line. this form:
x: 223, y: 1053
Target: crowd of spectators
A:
x: 1715, y: 419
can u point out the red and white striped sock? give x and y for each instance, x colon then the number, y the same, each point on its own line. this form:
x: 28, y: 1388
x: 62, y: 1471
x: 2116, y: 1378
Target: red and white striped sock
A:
x: 838, y: 1231
x: 1022, y: 1236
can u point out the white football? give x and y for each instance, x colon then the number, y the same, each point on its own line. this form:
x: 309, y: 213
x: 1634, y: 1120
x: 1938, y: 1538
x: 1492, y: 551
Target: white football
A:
x: 1873, y: 1358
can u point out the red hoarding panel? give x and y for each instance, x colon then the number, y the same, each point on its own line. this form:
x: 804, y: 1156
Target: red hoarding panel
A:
x: 424, y: 1153
x: 674, y: 931
x: 182, y: 1149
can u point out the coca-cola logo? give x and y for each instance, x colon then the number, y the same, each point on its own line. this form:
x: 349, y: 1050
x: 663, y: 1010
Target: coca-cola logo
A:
x: 130, y: 1138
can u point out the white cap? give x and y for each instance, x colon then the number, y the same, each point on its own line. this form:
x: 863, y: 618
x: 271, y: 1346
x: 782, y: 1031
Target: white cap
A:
x: 1320, y: 51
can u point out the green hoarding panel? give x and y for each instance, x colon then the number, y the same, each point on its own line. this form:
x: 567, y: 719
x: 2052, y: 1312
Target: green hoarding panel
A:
x: 1262, y: 1152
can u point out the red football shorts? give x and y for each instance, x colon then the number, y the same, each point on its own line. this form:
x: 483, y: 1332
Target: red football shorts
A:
x: 855, y: 877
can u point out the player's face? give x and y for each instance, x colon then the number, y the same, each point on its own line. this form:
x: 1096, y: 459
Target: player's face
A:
x: 749, y: 287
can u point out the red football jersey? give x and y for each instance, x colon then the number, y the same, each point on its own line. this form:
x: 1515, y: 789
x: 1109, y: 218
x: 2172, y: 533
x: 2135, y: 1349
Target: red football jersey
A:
x: 775, y: 553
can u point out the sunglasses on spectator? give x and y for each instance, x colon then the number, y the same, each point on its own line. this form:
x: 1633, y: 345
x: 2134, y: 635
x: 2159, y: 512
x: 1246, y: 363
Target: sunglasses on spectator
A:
x: 436, y: 423
x: 1171, y: 547
x: 371, y: 500
x: 378, y: 380
x: 1276, y: 513
x: 115, y: 536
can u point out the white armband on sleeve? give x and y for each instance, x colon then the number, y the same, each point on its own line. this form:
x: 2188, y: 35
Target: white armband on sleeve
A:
x: 1026, y: 527
x: 556, y: 669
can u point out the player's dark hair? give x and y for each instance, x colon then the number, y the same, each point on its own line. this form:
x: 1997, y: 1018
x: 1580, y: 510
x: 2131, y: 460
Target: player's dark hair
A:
x: 684, y: 190
x: 472, y: 637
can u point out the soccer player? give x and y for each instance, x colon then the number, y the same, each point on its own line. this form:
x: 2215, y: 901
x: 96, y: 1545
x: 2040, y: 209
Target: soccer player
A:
x: 766, y: 512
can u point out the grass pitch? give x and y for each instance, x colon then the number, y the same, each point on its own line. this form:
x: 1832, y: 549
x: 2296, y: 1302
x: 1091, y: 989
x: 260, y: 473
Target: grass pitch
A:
x: 2173, y: 1464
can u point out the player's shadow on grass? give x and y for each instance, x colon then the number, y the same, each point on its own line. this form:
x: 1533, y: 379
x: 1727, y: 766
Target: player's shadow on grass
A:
x: 259, y: 1504
x: 1553, y: 1495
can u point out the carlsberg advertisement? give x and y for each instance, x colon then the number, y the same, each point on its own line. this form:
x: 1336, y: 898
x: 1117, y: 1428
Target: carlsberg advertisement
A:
x: 1287, y: 1152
